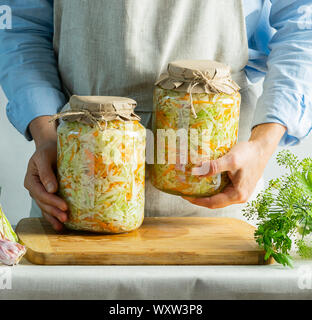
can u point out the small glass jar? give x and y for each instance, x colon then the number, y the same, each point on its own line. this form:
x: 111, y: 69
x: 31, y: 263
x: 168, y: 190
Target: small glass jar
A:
x: 101, y: 170
x: 210, y: 122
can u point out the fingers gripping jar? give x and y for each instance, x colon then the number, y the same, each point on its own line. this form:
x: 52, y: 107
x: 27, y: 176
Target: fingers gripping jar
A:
x: 101, y: 164
x: 196, y: 108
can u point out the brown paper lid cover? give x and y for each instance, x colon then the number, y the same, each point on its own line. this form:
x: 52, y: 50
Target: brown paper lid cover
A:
x: 95, y: 109
x: 198, y: 76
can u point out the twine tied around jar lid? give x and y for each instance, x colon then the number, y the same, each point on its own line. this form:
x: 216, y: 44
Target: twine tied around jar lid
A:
x: 198, y: 76
x: 93, y: 110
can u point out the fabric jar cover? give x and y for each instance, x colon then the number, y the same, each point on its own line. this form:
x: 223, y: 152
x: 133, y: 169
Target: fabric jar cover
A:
x: 96, y: 109
x: 198, y: 76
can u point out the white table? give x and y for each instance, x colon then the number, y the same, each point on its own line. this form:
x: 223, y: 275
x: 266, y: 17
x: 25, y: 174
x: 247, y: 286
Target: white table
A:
x: 158, y: 282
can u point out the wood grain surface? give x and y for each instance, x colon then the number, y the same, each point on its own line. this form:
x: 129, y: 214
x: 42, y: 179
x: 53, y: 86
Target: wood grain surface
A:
x: 160, y: 241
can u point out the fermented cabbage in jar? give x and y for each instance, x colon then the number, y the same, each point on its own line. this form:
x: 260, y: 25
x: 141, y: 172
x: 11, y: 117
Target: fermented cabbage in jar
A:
x: 209, y: 118
x: 101, y: 165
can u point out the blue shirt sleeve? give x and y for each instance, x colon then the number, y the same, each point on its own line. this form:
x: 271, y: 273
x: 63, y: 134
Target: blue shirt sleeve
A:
x: 29, y: 74
x: 287, y: 90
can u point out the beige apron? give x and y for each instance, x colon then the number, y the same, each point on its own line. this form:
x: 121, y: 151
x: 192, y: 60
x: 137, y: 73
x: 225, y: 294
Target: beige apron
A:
x: 107, y: 47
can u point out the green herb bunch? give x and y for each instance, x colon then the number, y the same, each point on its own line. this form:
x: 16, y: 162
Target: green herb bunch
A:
x: 284, y: 209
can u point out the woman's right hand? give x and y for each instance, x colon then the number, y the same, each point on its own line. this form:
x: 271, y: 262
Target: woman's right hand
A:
x: 40, y: 179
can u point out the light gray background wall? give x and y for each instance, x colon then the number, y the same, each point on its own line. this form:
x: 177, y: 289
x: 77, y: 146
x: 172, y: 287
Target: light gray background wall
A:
x: 15, y: 152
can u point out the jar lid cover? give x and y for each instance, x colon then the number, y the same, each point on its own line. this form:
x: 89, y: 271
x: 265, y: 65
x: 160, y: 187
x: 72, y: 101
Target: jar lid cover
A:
x: 198, y: 76
x: 96, y: 109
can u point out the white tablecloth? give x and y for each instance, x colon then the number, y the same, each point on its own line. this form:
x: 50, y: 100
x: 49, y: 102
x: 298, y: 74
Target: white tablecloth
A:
x: 156, y: 282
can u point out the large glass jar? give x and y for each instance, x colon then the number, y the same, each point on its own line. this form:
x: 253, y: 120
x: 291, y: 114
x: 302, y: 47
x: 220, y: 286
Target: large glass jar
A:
x: 209, y: 119
x: 101, y: 167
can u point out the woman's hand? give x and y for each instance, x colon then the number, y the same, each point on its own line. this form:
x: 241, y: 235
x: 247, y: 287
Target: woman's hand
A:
x: 244, y: 164
x: 40, y: 178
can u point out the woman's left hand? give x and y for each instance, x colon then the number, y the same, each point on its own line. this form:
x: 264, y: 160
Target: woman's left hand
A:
x: 244, y: 165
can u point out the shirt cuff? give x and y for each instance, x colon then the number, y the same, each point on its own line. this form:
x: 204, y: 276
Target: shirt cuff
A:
x: 31, y: 104
x: 290, y: 109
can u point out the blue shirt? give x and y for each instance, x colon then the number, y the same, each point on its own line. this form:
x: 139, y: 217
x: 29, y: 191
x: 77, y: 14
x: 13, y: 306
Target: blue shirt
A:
x: 280, y: 48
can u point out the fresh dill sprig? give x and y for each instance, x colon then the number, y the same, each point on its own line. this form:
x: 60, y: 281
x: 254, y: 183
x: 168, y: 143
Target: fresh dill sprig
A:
x: 284, y: 209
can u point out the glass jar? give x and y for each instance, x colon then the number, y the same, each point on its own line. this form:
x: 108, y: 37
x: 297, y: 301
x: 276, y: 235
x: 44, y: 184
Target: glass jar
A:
x: 210, y: 124
x: 101, y: 171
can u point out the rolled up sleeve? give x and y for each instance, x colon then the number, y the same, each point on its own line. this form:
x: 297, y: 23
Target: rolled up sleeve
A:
x: 287, y: 90
x: 28, y: 67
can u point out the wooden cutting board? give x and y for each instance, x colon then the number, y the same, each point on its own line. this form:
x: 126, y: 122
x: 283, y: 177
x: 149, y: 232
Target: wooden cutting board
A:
x: 160, y: 241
